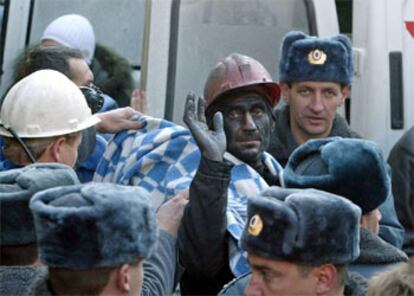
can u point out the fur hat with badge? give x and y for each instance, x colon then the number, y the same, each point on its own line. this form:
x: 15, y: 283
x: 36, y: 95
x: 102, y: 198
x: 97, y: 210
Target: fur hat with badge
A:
x: 93, y: 225
x: 310, y: 58
x: 17, y: 187
x: 302, y: 225
x: 352, y: 168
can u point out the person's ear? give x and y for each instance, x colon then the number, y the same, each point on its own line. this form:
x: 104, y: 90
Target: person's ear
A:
x: 326, y: 278
x: 345, y: 91
x: 54, y: 150
x: 284, y: 91
x: 122, y: 278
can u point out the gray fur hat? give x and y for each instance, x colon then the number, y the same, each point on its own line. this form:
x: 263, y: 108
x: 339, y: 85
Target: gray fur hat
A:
x: 352, y: 168
x: 93, y: 225
x: 310, y: 58
x: 304, y: 225
x: 17, y: 186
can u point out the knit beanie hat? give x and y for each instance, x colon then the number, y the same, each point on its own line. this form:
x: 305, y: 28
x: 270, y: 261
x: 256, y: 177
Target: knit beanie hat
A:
x: 74, y: 31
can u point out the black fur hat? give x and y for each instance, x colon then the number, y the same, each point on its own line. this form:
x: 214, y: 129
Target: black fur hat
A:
x: 352, y: 168
x: 93, y: 225
x: 17, y: 186
x: 310, y: 58
x: 302, y: 225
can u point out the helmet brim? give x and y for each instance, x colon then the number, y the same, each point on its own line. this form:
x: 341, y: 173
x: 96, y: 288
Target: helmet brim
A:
x: 91, y: 121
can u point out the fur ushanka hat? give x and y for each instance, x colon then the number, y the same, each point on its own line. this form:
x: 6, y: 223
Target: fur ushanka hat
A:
x: 93, y: 225
x: 303, y: 226
x: 310, y: 58
x: 352, y: 168
x: 17, y: 186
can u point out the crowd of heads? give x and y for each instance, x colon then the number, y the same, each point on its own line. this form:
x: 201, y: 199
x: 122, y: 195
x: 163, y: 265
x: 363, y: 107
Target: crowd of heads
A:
x: 307, y: 236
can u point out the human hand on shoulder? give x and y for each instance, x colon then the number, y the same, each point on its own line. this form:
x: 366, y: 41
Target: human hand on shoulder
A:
x: 118, y: 120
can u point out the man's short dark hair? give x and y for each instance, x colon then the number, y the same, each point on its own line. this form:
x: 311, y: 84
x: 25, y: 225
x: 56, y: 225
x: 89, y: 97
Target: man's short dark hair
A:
x: 18, y: 254
x: 341, y: 271
x: 92, y: 281
x: 42, y: 57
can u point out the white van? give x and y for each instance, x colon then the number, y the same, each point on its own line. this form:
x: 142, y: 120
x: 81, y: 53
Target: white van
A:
x: 174, y: 43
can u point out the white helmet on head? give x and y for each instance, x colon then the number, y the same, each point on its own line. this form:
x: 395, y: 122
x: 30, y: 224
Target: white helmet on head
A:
x: 45, y: 104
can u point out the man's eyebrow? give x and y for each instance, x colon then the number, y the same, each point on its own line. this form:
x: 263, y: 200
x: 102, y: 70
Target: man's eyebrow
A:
x: 304, y: 86
x: 259, y: 267
x: 233, y: 107
x: 264, y: 268
x: 258, y: 104
x: 329, y: 88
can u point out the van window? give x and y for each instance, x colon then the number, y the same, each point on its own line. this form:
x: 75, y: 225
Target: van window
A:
x: 208, y: 31
x: 117, y: 24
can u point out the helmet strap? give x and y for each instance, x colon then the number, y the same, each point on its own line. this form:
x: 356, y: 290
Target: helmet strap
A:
x: 24, y: 146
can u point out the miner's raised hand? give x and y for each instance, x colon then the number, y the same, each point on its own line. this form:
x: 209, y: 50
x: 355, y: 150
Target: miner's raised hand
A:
x: 212, y: 143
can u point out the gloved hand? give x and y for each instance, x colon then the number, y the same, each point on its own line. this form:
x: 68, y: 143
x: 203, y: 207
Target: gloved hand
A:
x: 212, y: 143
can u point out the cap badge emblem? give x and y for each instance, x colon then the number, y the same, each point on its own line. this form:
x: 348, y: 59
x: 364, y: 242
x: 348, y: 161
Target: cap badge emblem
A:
x: 255, y: 225
x: 317, y: 57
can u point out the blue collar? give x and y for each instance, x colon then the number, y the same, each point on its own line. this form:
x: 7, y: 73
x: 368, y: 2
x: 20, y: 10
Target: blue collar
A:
x: 8, y: 165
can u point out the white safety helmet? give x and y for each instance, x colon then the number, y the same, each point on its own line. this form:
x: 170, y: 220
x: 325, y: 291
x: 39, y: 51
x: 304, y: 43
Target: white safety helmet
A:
x: 45, y: 104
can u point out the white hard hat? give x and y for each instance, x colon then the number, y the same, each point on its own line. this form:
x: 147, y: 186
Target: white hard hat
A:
x: 72, y: 30
x: 45, y: 104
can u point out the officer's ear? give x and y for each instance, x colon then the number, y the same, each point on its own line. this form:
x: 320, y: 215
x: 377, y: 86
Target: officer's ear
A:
x: 284, y: 91
x: 123, y: 280
x: 345, y: 91
x: 326, y: 279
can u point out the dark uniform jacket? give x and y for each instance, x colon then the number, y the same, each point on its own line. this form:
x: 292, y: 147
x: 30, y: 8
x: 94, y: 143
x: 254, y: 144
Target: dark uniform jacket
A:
x: 376, y: 255
x: 14, y: 280
x: 282, y: 145
x: 203, y: 251
x: 401, y: 160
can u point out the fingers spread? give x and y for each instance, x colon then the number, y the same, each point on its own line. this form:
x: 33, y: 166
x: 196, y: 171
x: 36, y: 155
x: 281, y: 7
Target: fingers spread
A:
x: 201, y: 109
x: 189, y: 110
x: 218, y: 122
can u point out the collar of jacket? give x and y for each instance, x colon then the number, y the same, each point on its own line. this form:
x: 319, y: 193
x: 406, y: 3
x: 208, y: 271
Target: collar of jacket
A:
x: 355, y: 285
x: 40, y: 285
x: 282, y: 143
x: 375, y: 250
